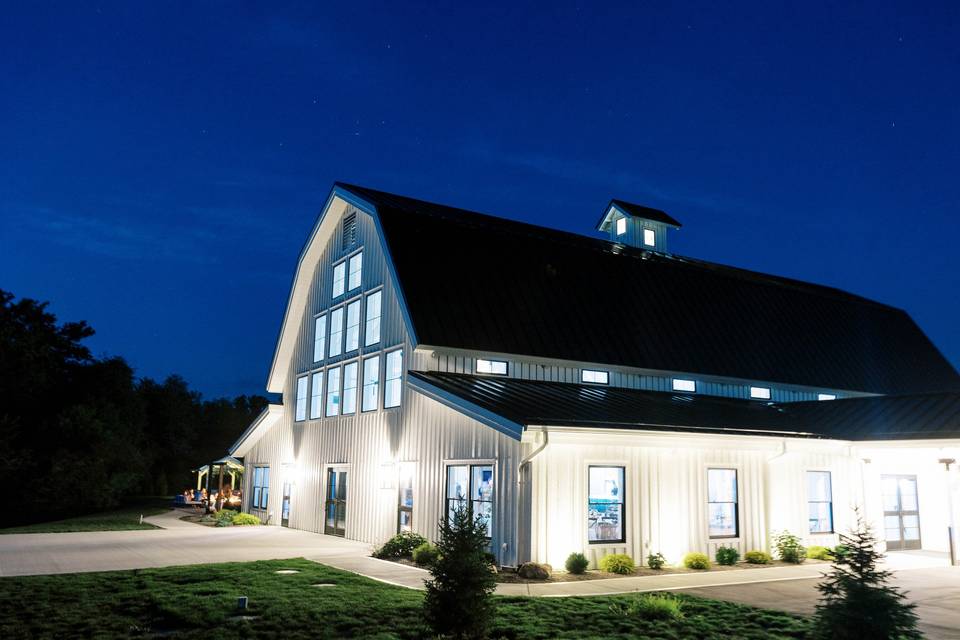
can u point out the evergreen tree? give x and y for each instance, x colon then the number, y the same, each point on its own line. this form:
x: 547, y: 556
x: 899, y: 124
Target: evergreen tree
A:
x: 458, y: 601
x: 857, y: 602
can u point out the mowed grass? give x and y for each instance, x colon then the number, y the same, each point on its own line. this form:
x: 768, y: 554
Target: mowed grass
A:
x: 122, y: 519
x: 197, y: 601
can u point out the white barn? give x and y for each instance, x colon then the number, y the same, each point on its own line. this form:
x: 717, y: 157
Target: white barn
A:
x: 586, y: 394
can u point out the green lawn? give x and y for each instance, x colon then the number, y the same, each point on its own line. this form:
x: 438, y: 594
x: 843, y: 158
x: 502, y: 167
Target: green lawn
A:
x: 121, y: 519
x: 197, y: 601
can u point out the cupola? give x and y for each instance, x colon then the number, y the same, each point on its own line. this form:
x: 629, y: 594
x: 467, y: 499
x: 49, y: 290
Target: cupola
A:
x: 637, y: 226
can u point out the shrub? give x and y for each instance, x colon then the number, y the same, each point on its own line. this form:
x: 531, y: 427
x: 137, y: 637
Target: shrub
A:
x: 577, y: 563
x: 789, y: 548
x: 457, y: 601
x: 696, y: 560
x: 727, y: 556
x: 399, y: 546
x: 816, y: 552
x: 839, y: 550
x: 244, y: 519
x: 426, y: 554
x: 224, y: 514
x: 656, y: 561
x: 617, y: 563
x: 535, y: 571
x: 857, y: 600
x: 757, y: 557
x: 651, y: 606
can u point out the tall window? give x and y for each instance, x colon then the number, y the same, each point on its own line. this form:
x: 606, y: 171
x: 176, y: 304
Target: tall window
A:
x: 722, y: 503
x: 353, y: 326
x: 339, y: 278
x: 316, y: 395
x: 301, y: 404
x: 496, y: 367
x: 350, y: 388
x: 394, y: 374
x: 319, y: 337
x: 820, y: 501
x: 336, y: 332
x: 605, y: 504
x: 261, y: 488
x: 356, y: 272
x: 471, y: 486
x: 333, y: 391
x: 371, y: 332
x: 371, y: 383
x: 405, y: 498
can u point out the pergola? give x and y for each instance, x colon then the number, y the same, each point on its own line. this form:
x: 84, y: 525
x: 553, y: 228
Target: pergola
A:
x: 228, y: 464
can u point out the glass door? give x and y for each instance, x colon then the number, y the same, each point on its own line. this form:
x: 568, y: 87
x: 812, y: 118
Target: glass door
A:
x: 285, y: 505
x: 336, y: 504
x: 901, y: 512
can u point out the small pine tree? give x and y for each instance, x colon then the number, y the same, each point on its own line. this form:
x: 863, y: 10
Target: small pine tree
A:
x: 856, y: 600
x: 458, y: 602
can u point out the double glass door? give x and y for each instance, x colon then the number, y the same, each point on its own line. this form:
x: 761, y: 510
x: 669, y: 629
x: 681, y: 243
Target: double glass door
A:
x: 901, y: 512
x: 335, y: 512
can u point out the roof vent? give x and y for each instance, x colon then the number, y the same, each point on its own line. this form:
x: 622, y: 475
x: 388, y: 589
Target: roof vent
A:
x: 349, y: 231
x: 637, y: 226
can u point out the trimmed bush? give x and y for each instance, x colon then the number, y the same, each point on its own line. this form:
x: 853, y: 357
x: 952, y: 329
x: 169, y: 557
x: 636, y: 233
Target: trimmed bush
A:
x: 696, y: 560
x: 757, y: 557
x: 245, y: 519
x: 577, y: 563
x: 617, y: 563
x: 535, y: 571
x: 816, y: 552
x: 651, y: 606
x: 399, y: 546
x: 789, y: 548
x: 727, y: 556
x: 426, y: 554
x: 656, y: 561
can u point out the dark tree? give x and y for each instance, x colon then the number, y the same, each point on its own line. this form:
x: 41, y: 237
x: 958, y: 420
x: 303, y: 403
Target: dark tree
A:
x: 458, y: 602
x: 857, y: 602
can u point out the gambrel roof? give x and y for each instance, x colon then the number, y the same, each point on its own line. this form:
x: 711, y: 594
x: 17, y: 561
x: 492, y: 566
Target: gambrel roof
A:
x: 491, y: 285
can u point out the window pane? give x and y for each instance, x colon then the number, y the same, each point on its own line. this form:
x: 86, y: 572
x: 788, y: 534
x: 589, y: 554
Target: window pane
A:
x: 723, y: 519
x: 319, y: 338
x: 621, y: 226
x: 818, y: 486
x: 406, y: 521
x: 722, y: 485
x: 356, y: 268
x: 353, y: 326
x: 458, y: 487
x: 336, y: 332
x: 350, y: 388
x: 760, y: 393
x: 316, y: 395
x: 393, y: 375
x: 406, y: 485
x: 371, y: 332
x: 485, y: 511
x: 595, y: 377
x: 496, y: 367
x: 482, y: 486
x: 301, y: 404
x: 371, y: 383
x: 908, y: 494
x: 649, y: 237
x: 333, y: 391
x: 605, y: 504
x: 339, y: 275
x: 820, y: 517
x: 684, y: 385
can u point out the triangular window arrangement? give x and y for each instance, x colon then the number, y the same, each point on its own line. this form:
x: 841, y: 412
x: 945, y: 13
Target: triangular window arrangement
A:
x: 349, y: 231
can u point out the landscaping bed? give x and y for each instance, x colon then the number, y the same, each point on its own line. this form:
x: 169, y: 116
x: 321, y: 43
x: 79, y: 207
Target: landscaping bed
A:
x: 200, y: 600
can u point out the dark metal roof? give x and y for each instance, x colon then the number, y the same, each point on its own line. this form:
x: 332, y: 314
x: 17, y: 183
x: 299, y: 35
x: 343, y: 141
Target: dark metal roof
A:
x: 534, y: 402
x: 640, y: 211
x: 476, y: 282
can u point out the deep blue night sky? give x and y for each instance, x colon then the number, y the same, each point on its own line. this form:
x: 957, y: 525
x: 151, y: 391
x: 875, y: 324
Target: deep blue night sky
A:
x: 161, y: 166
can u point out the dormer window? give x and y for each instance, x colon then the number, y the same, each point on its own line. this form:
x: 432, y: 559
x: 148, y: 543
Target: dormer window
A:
x: 687, y: 386
x: 495, y: 367
x: 649, y: 237
x: 621, y: 226
x: 826, y: 396
x: 592, y: 376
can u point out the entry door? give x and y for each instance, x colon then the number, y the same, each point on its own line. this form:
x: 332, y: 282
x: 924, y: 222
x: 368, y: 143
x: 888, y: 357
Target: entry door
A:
x: 901, y: 513
x: 285, y: 505
x: 336, y: 504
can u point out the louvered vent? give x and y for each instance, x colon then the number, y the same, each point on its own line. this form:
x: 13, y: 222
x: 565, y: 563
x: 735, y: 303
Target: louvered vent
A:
x: 349, y: 238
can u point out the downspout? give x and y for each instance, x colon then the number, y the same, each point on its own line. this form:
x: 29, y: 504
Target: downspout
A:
x: 524, y: 462
x: 767, y: 498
